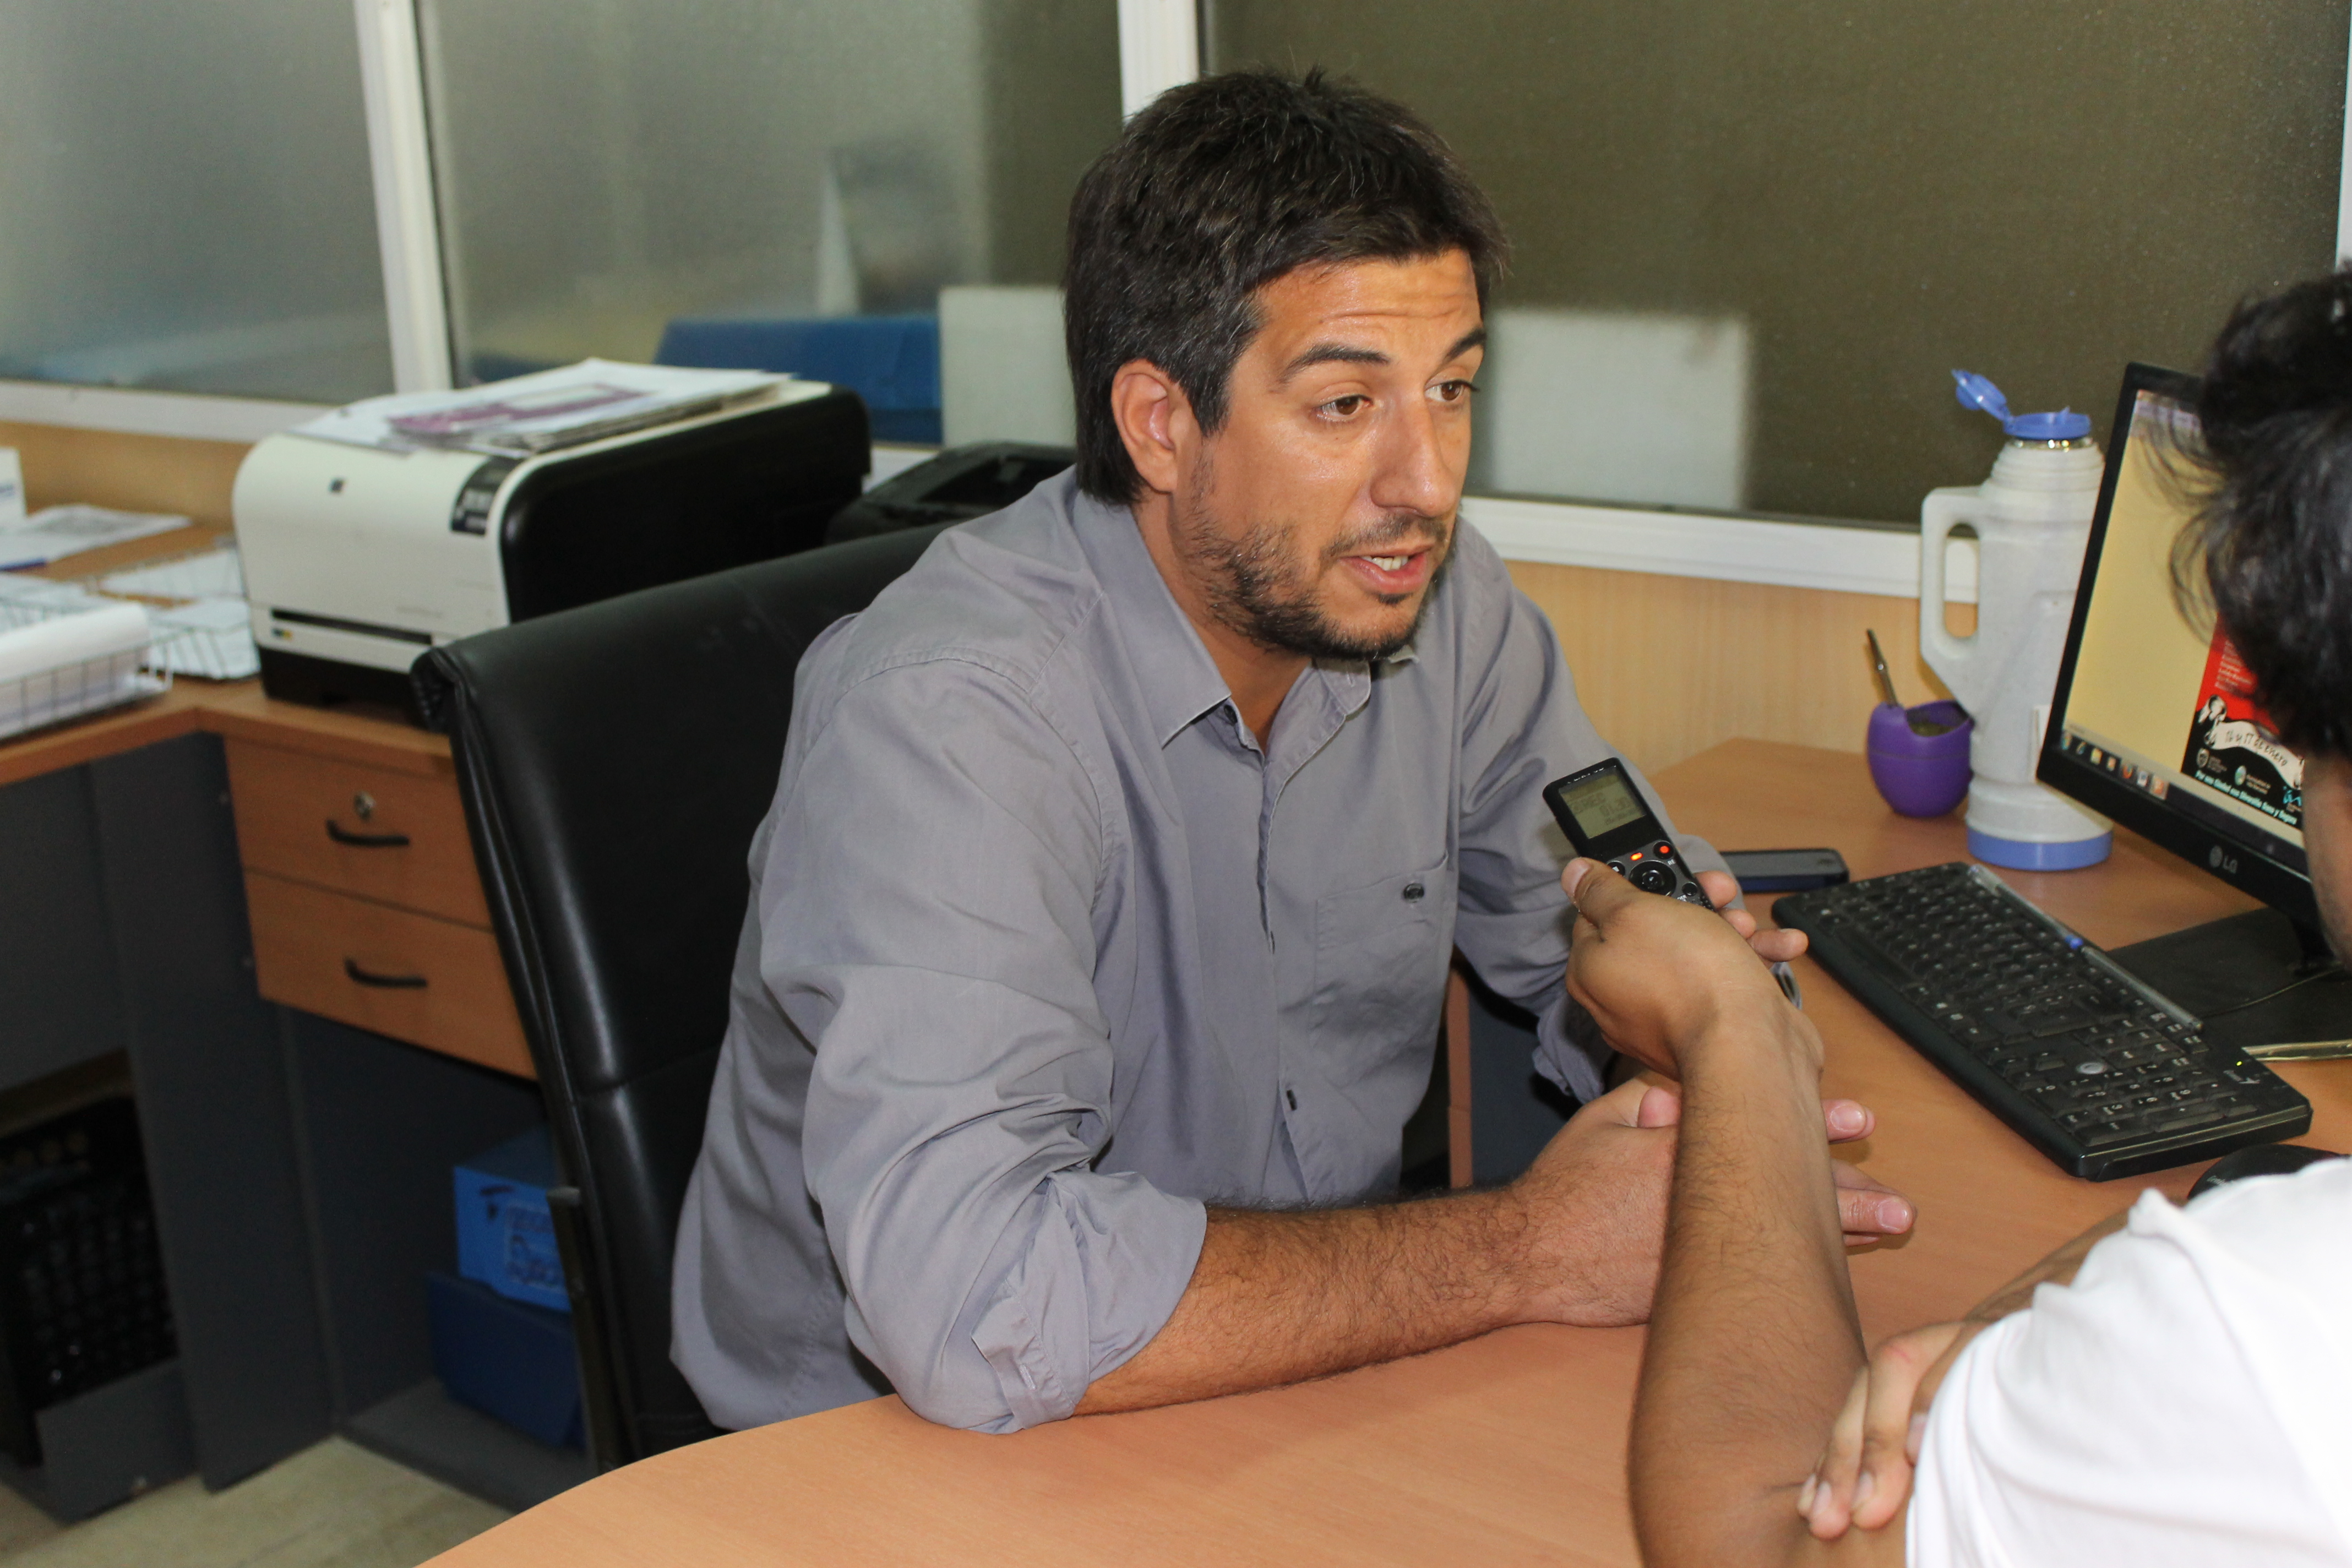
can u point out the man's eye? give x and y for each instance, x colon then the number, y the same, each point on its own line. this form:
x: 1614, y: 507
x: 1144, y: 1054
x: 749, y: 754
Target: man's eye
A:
x: 1455, y: 390
x: 1346, y: 408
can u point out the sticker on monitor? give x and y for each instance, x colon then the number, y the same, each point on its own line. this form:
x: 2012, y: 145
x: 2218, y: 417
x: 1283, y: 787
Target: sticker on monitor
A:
x: 2233, y: 747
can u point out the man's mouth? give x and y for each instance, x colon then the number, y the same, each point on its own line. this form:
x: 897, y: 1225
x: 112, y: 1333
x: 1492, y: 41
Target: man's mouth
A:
x: 1394, y: 573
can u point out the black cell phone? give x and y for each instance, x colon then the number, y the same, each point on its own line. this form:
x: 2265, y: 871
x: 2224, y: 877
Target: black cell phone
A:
x: 1606, y: 819
x: 1785, y: 870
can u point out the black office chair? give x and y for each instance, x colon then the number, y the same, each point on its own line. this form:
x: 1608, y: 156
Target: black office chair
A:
x: 614, y: 762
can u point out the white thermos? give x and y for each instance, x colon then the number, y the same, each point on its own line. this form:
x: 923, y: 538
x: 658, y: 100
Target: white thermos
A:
x: 2032, y: 519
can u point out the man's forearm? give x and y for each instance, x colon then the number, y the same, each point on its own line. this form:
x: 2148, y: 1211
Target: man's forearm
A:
x: 1280, y: 1298
x: 1753, y: 1339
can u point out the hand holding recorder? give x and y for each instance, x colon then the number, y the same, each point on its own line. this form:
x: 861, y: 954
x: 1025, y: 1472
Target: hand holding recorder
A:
x: 1606, y: 820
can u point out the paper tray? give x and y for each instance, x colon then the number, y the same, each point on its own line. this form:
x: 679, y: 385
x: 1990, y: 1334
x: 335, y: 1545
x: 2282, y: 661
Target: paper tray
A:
x: 76, y: 686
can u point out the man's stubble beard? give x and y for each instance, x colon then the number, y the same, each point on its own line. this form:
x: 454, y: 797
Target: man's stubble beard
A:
x: 1253, y: 590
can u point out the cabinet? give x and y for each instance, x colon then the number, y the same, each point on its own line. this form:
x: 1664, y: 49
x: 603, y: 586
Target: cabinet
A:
x: 170, y: 890
x: 366, y: 905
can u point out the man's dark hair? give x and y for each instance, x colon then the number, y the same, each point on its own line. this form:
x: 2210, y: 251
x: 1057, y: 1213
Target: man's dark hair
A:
x: 2273, y: 537
x: 1217, y: 189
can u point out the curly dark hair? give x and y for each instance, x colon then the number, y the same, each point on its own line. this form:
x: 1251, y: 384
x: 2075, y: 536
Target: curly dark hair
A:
x: 2270, y: 547
x: 1215, y: 190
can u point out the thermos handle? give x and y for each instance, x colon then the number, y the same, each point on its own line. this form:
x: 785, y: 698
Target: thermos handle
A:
x: 1942, y: 511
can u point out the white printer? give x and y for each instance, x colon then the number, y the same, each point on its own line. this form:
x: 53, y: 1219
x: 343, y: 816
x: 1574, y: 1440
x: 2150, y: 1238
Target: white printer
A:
x: 359, y: 557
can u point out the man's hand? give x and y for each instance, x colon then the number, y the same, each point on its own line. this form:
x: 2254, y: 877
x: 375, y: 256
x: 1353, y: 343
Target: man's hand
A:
x: 1868, y: 1210
x: 1653, y: 971
x: 1864, y: 1475
x: 1775, y: 946
x: 1592, y: 1210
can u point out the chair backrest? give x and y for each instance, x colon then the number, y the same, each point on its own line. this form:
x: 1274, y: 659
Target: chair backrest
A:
x: 616, y: 760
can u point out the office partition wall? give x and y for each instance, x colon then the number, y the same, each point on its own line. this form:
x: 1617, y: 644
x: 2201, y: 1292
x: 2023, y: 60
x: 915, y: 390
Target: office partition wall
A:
x: 184, y: 205
x: 1754, y: 239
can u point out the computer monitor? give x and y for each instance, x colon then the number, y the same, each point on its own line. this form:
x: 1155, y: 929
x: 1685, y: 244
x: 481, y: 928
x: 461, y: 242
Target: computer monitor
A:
x: 2156, y: 723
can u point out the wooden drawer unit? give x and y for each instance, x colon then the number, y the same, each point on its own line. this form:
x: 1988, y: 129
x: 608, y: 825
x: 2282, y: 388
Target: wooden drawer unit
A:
x: 396, y: 837
x: 431, y: 982
x: 366, y: 907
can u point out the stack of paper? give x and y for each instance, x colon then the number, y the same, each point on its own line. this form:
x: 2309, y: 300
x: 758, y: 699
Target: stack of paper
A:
x: 213, y: 574
x: 543, y: 411
x: 202, y: 627
x: 55, y: 532
x: 211, y: 637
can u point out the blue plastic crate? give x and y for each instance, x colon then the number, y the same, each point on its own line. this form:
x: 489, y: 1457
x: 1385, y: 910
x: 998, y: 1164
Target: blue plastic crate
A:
x: 891, y: 362
x: 505, y: 1238
x: 506, y: 1358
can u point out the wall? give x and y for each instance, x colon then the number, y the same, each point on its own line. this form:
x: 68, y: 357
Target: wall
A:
x: 1666, y: 665
x: 2037, y: 189
x: 604, y: 166
x: 136, y: 473
x: 1669, y: 666
x: 187, y: 199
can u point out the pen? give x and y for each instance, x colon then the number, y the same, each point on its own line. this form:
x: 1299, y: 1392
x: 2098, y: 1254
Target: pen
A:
x: 1878, y: 668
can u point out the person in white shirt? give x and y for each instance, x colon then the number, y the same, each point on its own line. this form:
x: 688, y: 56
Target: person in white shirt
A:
x: 2187, y: 1399
x: 2173, y: 1387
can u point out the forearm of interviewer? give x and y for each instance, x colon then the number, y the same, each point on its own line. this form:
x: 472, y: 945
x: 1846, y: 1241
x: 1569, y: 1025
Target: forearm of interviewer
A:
x: 1753, y: 1338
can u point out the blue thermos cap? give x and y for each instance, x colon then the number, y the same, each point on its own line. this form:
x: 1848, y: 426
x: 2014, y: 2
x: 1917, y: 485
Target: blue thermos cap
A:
x: 1975, y: 392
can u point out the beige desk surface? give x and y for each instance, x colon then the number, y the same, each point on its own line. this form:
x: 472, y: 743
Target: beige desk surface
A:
x: 1508, y: 1449
x: 236, y: 709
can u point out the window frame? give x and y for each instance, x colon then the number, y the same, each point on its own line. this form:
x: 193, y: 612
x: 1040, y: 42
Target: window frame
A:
x: 1160, y: 44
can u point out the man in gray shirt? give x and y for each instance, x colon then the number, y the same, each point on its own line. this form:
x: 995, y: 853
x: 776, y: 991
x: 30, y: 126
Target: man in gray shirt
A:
x: 1099, y: 932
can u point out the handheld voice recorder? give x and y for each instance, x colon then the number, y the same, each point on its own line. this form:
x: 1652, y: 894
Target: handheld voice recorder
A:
x: 1604, y: 817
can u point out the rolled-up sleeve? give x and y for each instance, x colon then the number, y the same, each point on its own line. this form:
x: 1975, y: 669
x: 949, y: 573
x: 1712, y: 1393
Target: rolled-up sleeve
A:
x: 928, y: 921
x: 1523, y: 728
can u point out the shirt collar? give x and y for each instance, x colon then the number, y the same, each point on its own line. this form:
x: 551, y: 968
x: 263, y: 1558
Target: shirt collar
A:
x: 1179, y: 681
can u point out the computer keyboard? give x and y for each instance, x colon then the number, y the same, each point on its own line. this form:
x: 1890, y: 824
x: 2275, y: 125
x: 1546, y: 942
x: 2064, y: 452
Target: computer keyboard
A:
x: 2086, y: 1062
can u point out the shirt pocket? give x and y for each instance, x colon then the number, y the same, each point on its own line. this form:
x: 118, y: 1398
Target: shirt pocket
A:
x: 1380, y: 956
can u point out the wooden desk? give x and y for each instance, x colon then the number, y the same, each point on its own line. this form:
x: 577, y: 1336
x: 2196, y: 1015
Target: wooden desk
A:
x: 1506, y: 1449
x: 415, y: 909
x: 171, y: 896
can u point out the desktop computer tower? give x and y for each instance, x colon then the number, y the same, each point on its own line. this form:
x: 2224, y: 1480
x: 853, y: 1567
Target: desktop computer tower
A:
x: 82, y: 1297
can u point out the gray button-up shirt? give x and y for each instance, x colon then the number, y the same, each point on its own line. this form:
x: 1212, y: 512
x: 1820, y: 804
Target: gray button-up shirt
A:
x: 1046, y: 952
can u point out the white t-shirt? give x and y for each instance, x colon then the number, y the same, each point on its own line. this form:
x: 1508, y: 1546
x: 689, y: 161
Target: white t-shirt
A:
x: 2187, y: 1401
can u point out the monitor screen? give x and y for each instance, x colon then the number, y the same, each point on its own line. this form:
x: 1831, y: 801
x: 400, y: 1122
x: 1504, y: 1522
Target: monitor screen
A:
x: 2155, y: 721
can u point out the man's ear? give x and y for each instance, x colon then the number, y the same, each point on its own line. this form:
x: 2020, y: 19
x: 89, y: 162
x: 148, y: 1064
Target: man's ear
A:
x: 1155, y: 422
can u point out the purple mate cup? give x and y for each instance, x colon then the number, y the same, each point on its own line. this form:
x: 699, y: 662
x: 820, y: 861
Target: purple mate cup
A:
x: 1920, y: 775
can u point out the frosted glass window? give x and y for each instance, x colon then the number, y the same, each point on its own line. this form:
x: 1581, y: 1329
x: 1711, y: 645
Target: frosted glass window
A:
x: 1755, y: 237
x: 741, y: 181
x: 184, y: 199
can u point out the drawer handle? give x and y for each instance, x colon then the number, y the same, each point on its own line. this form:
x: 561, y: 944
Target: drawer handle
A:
x: 342, y: 834
x: 386, y: 982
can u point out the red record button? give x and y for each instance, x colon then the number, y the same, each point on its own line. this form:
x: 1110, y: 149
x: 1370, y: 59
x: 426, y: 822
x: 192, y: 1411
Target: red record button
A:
x: 1665, y: 851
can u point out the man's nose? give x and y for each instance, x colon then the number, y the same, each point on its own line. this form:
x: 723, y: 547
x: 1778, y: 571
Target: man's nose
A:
x: 1417, y: 471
